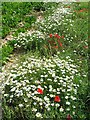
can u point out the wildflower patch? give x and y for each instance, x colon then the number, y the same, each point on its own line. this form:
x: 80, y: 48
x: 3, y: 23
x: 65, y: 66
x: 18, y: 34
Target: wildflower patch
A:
x: 44, y: 86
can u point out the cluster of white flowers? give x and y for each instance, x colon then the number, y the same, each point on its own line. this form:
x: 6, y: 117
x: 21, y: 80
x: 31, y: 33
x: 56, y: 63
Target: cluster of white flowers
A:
x: 55, y: 21
x: 26, y: 40
x: 40, y: 80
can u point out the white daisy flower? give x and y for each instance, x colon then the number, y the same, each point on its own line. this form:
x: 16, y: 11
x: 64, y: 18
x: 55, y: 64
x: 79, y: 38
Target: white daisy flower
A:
x: 67, y: 103
x: 20, y: 105
x: 48, y: 109
x: 34, y: 109
x: 68, y: 109
x: 66, y: 97
x: 61, y: 109
x: 38, y: 114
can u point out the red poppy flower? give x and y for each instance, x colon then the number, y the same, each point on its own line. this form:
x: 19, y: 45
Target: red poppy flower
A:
x: 60, y: 43
x: 40, y: 91
x: 55, y: 47
x: 62, y: 37
x: 56, y: 35
x: 81, y: 10
x: 68, y: 117
x: 68, y: 6
x: 50, y: 35
x: 57, y: 99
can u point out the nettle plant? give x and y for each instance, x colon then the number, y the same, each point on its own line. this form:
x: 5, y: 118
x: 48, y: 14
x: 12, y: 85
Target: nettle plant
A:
x: 44, y: 87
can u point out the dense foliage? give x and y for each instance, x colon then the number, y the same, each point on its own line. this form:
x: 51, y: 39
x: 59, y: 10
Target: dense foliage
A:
x: 15, y: 12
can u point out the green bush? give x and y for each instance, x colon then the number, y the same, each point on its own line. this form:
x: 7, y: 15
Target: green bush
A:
x: 13, y: 13
x: 6, y: 50
x: 30, y: 19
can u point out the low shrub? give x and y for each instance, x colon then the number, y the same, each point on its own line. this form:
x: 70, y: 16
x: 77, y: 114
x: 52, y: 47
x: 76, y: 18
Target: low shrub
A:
x: 6, y: 50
